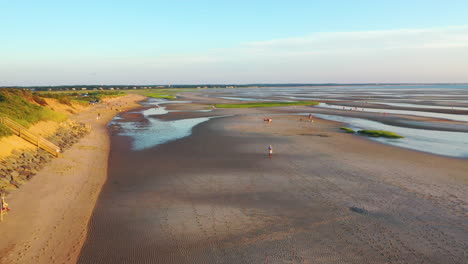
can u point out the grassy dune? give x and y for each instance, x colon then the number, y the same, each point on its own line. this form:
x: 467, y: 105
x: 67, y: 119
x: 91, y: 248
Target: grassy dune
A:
x: 265, y: 104
x: 68, y: 97
x: 25, y: 108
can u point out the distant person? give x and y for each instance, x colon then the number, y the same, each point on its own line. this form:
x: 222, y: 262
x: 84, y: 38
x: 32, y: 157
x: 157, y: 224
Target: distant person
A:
x: 98, y: 116
x: 310, y: 116
x: 270, y: 151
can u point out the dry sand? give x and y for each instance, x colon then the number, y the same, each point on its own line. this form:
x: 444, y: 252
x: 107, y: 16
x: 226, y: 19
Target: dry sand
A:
x: 49, y: 217
x: 324, y: 197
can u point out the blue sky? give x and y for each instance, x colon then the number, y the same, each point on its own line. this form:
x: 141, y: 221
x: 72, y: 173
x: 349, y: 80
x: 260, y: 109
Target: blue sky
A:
x: 169, y: 42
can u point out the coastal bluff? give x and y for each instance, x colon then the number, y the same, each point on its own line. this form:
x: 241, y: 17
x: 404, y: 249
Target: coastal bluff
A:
x: 17, y: 168
x: 51, y: 210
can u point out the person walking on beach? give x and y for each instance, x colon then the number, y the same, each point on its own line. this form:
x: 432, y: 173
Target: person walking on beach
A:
x: 270, y: 151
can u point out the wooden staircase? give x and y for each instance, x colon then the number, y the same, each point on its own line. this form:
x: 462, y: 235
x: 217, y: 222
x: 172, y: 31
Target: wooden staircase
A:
x: 38, y: 141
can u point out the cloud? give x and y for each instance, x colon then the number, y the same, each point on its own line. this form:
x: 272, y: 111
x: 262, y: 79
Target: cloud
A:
x: 444, y: 37
x: 331, y: 45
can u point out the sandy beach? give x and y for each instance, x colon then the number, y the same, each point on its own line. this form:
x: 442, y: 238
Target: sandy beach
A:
x: 324, y: 197
x: 49, y: 217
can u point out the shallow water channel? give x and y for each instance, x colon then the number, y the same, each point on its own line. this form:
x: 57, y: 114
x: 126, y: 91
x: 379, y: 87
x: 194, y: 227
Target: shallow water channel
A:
x: 454, y: 117
x: 149, y: 134
x: 454, y: 144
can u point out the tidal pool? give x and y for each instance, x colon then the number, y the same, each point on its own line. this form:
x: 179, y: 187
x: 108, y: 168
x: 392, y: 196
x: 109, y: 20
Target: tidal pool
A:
x: 157, y: 132
x: 154, y: 132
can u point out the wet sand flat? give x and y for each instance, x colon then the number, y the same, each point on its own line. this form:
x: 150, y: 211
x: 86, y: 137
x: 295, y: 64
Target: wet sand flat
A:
x: 324, y: 197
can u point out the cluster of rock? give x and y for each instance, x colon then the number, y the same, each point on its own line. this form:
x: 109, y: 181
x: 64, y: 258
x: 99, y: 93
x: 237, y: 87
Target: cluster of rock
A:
x: 68, y: 134
x: 21, y: 165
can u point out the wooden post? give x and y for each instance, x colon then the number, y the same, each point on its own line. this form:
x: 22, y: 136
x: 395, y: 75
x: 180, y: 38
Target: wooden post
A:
x: 1, y: 209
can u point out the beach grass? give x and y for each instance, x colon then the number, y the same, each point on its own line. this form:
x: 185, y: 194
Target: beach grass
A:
x: 379, y: 133
x: 5, y: 131
x: 347, y: 130
x: 265, y: 104
x: 18, y: 105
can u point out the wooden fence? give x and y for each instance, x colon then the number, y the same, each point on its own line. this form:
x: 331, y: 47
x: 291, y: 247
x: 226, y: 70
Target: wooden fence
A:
x: 38, y: 141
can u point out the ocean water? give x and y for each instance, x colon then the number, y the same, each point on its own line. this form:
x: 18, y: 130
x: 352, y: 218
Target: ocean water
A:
x: 364, y: 91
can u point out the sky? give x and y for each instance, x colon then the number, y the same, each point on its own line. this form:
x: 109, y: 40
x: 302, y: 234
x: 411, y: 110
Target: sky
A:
x: 232, y: 42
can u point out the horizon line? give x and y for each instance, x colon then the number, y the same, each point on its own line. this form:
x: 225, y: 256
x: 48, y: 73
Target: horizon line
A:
x: 240, y: 84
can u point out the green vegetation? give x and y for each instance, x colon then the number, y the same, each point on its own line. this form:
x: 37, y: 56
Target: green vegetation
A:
x: 4, y: 131
x: 265, y: 104
x: 379, y: 133
x: 19, y: 105
x: 348, y: 130
x: 83, y: 97
x: 169, y: 94
x: 160, y: 95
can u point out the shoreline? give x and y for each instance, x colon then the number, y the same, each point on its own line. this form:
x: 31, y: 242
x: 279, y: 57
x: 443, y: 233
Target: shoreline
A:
x: 49, y: 216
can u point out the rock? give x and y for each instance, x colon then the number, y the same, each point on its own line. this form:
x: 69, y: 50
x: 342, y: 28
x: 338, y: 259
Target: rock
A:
x: 25, y: 175
x: 14, y: 183
x: 14, y: 174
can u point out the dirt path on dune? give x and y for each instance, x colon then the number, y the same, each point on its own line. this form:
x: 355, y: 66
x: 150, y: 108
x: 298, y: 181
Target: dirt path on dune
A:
x: 49, y: 217
x: 324, y: 197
